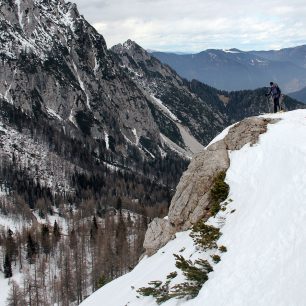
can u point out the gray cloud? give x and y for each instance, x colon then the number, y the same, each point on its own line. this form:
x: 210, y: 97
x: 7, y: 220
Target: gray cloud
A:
x: 195, y: 25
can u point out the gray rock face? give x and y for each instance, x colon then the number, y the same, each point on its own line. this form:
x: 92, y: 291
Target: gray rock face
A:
x: 54, y: 61
x: 160, y: 81
x: 192, y: 195
x: 246, y: 131
x: 191, y: 201
x: 159, y: 232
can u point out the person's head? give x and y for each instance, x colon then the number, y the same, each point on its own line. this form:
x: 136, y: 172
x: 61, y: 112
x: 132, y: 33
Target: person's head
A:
x: 271, y: 83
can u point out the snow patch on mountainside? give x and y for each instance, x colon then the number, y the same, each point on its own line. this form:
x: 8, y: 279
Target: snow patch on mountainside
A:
x: 81, y: 85
x: 19, y: 13
x: 53, y: 113
x: 136, y: 136
x: 263, y: 228
x: 164, y: 108
x: 234, y: 51
x: 5, y: 285
x: 106, y: 140
x: 190, y: 142
x: 14, y: 224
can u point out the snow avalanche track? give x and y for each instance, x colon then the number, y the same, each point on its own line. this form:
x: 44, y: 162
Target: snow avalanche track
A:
x: 265, y: 235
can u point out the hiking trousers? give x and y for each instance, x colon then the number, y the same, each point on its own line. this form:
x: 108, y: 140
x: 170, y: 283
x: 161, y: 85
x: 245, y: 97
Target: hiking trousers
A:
x: 276, y: 105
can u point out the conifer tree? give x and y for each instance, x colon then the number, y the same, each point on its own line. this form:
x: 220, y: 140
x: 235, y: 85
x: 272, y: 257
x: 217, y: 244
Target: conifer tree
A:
x: 119, y: 204
x: 32, y: 249
x: 45, y: 239
x: 56, y: 232
x: 94, y: 229
x: 7, y: 266
x: 10, y: 245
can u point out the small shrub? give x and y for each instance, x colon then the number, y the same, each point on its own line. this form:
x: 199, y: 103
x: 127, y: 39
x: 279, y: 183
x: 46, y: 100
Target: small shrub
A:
x: 101, y: 281
x: 186, y: 289
x: 215, y: 258
x: 218, y: 193
x: 172, y: 275
x: 205, y: 235
x: 215, y: 208
x: 222, y: 249
x: 196, y: 276
x: 153, y: 290
x: 196, y: 272
x: 157, y: 290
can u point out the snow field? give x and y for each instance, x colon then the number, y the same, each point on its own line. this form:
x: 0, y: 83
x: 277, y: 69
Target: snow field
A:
x: 264, y: 231
x: 164, y: 108
x: 266, y: 234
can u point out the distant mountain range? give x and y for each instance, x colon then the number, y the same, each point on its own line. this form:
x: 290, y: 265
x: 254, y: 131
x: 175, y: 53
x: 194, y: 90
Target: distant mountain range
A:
x: 295, y: 55
x: 234, y: 69
x: 299, y: 95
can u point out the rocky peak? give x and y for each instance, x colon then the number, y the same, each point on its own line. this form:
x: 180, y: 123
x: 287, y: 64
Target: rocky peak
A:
x: 129, y: 44
x: 134, y: 50
x: 139, y: 60
x: 165, y: 85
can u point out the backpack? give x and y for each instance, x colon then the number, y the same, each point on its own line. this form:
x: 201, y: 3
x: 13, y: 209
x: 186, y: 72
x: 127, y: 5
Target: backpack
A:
x: 278, y: 90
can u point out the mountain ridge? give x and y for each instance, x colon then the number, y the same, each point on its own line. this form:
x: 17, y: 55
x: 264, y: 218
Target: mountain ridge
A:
x: 234, y: 69
x: 299, y: 95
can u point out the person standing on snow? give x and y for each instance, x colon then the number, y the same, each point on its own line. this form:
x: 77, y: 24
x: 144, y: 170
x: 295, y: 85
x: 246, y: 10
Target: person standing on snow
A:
x: 275, y: 92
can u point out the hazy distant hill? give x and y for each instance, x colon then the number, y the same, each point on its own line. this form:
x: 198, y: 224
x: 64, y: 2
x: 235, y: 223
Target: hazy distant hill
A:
x: 295, y: 55
x: 235, y: 70
x: 299, y: 95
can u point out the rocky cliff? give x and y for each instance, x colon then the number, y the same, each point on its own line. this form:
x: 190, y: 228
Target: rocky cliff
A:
x: 54, y: 61
x: 192, y: 200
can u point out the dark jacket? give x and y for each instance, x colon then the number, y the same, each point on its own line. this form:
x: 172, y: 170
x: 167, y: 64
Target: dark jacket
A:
x: 274, y: 91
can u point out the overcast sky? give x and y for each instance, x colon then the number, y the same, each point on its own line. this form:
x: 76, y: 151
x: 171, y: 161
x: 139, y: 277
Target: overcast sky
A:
x: 196, y: 25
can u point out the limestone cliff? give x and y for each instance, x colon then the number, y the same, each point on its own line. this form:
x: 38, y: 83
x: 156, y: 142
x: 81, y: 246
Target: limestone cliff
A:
x: 191, y: 201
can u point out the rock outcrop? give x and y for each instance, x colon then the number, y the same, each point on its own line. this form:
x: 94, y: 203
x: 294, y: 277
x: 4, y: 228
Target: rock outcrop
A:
x: 160, y: 231
x: 191, y: 201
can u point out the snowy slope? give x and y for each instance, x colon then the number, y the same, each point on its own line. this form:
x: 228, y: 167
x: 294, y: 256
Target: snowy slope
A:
x: 265, y: 235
